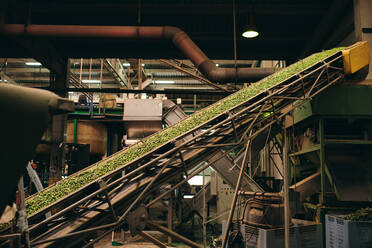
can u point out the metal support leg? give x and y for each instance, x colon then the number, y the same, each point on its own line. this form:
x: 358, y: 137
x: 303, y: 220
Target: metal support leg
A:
x: 287, y: 215
x: 122, y: 235
x: 187, y: 178
x: 250, y: 161
x: 145, y: 189
x: 174, y: 234
x: 36, y: 180
x: 322, y: 174
x: 170, y: 215
x: 204, y: 213
x: 152, y: 239
x: 102, y: 184
x: 58, y: 129
x: 322, y: 161
x: 34, y: 177
x: 57, y: 151
x: 22, y: 219
x: 231, y: 213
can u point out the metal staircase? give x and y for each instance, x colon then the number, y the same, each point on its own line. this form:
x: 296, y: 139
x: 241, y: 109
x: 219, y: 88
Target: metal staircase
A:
x: 115, y: 67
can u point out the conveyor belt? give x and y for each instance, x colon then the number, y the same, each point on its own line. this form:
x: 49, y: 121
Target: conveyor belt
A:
x: 225, y: 166
x: 180, y: 155
x: 106, y: 202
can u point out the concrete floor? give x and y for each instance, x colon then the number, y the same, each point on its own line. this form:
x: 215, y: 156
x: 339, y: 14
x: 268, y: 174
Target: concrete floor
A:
x: 133, y: 242
x: 133, y: 245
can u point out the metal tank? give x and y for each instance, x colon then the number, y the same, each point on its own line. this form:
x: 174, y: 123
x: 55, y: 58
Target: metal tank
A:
x: 88, y: 132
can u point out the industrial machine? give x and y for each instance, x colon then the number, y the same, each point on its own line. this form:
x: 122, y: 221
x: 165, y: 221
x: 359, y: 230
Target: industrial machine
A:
x: 329, y: 162
x: 120, y: 198
x: 331, y: 149
x: 142, y: 117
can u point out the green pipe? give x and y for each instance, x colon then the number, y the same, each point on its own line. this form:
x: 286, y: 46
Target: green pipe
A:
x: 75, y: 130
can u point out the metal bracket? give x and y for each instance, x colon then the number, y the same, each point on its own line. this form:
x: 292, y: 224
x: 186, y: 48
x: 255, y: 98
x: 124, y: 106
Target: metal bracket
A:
x: 103, y: 185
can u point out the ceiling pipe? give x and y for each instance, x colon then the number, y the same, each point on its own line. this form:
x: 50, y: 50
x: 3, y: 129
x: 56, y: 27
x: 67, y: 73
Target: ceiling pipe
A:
x: 179, y: 38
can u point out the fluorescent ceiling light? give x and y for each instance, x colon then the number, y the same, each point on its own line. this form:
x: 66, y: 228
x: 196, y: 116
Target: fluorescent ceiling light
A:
x: 33, y: 63
x: 188, y: 196
x: 164, y: 82
x: 91, y: 81
x: 250, y: 34
x: 127, y: 64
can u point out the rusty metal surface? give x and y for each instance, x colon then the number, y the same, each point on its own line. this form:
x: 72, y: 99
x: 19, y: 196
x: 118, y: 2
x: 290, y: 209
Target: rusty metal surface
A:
x: 141, y: 129
x: 147, y: 33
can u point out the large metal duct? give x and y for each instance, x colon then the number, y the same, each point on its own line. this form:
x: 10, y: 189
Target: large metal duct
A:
x: 179, y: 38
x: 25, y: 114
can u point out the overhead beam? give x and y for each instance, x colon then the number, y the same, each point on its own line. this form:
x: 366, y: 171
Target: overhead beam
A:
x: 193, y: 74
x: 270, y: 36
x: 324, y: 26
x: 345, y: 27
x: 158, y: 51
x: 180, y: 8
x: 3, y: 11
x: 6, y: 78
x: 38, y: 77
x: 42, y: 51
x: 119, y: 90
x: 146, y: 83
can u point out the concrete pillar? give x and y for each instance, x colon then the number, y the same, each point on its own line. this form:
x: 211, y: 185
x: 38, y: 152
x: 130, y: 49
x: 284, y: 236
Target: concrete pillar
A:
x: 363, y: 24
x: 57, y: 153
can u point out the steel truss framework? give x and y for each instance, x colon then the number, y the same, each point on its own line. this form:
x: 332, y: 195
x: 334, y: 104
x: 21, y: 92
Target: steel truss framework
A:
x: 109, y: 202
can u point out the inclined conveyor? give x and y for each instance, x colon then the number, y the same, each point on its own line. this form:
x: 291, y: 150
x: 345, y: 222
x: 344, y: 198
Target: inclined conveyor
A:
x: 121, y: 196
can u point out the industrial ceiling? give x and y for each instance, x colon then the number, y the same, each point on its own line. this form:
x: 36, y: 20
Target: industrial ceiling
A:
x: 288, y: 29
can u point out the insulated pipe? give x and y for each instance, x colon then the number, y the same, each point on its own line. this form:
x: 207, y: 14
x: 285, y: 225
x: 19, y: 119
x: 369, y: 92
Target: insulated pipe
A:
x: 179, y: 38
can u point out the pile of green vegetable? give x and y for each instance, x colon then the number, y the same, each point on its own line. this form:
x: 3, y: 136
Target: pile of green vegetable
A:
x: 76, y: 181
x: 364, y: 214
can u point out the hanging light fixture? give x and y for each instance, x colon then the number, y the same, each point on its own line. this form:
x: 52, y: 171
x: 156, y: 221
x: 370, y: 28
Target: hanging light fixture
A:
x: 250, y: 31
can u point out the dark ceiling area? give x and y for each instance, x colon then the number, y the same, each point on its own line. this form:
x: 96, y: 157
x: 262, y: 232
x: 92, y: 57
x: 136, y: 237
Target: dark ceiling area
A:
x: 288, y: 29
